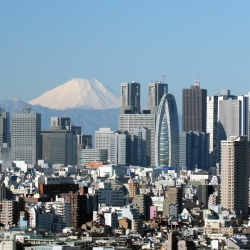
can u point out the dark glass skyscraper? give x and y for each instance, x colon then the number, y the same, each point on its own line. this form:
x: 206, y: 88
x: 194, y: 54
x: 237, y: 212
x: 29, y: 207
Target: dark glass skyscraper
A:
x: 167, y: 133
x: 156, y: 90
x: 130, y: 98
x: 194, y: 108
x: 4, y: 127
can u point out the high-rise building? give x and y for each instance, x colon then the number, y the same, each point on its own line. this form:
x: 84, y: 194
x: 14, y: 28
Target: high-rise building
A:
x: 137, y: 148
x: 118, y: 148
x: 130, y: 97
x: 235, y: 165
x: 167, y: 133
x: 25, y: 136
x: 59, y: 146
x: 194, y: 108
x: 102, y: 138
x: 130, y: 122
x: 156, y: 90
x: 249, y: 116
x: 93, y: 155
x: 116, y: 142
x: 232, y: 115
x: 193, y: 150
x: 212, y: 118
x: 59, y: 122
x: 9, y: 213
x: 83, y: 142
x: 232, y: 118
x: 4, y: 127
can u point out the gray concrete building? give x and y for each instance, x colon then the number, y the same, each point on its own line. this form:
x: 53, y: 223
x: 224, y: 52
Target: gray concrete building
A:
x: 116, y: 142
x: 130, y: 122
x: 93, y: 155
x: 59, y: 146
x: 194, y: 108
x: 83, y: 142
x: 130, y: 97
x: 25, y: 136
x: 232, y: 116
x: 118, y: 148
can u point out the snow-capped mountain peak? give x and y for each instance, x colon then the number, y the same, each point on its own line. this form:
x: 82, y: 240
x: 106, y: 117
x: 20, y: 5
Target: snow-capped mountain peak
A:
x: 78, y: 93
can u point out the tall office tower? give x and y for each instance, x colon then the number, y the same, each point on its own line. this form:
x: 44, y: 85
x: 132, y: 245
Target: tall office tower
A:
x: 249, y: 116
x: 193, y: 150
x: 235, y: 165
x: 59, y: 144
x: 232, y: 116
x: 25, y: 136
x: 130, y: 122
x: 116, y: 142
x: 60, y: 122
x: 138, y: 138
x: 102, y: 138
x: 118, y: 148
x: 59, y: 147
x: 84, y: 140
x: 212, y: 117
x: 156, y: 90
x: 130, y: 97
x: 194, y: 108
x: 4, y: 127
x: 167, y: 133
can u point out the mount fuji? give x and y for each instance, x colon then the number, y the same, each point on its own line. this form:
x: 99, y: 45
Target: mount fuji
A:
x: 78, y: 93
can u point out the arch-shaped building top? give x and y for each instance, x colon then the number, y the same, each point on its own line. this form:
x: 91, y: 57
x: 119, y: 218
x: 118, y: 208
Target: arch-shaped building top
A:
x: 167, y: 133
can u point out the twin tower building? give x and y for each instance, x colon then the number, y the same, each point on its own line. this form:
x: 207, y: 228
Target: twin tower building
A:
x: 158, y: 124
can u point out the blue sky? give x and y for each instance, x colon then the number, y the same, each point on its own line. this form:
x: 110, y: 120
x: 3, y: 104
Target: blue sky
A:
x: 45, y: 43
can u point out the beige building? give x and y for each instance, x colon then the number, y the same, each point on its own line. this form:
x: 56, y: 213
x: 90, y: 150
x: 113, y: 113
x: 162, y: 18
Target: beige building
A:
x: 235, y: 165
x: 9, y: 214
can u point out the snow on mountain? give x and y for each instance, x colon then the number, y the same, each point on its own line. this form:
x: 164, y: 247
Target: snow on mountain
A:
x: 78, y: 93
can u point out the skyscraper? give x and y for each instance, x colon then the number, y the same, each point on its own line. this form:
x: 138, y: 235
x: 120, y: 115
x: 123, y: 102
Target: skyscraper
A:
x: 235, y: 164
x: 25, y: 136
x: 167, y: 133
x: 118, y: 148
x: 138, y: 139
x: 249, y: 116
x: 130, y: 122
x: 194, y: 108
x: 156, y: 90
x: 130, y: 96
x: 116, y: 142
x: 212, y: 118
x: 4, y: 127
x: 232, y: 116
x: 193, y: 150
